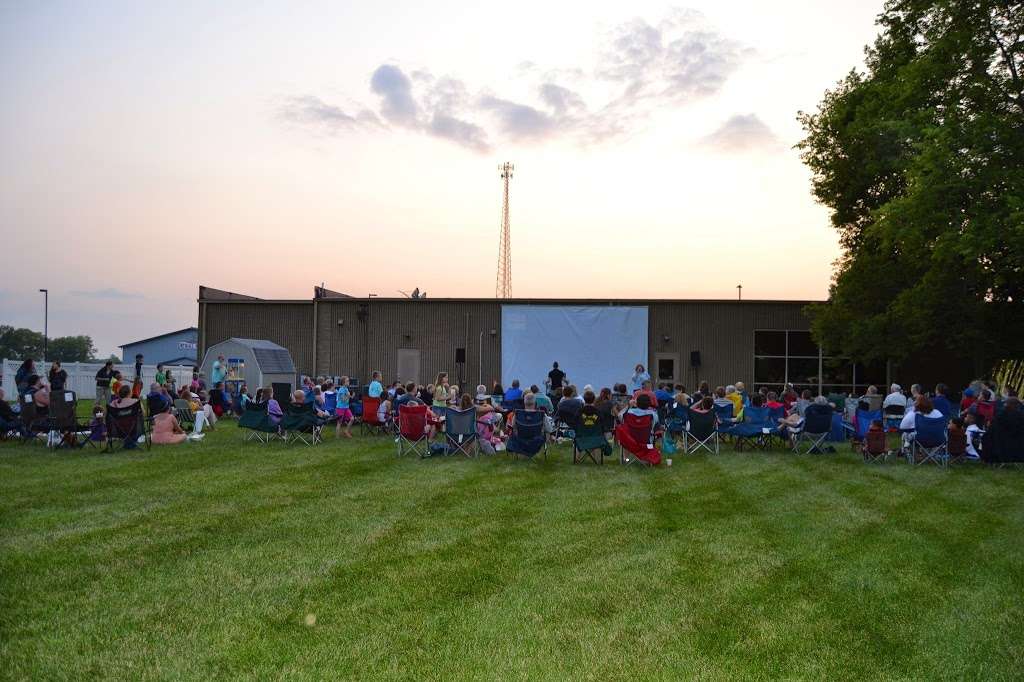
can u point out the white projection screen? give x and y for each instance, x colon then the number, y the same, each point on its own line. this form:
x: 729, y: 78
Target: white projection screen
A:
x: 598, y: 345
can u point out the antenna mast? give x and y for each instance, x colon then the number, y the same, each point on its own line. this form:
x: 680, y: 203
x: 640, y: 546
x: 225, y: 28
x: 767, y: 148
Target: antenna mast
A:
x: 503, y: 285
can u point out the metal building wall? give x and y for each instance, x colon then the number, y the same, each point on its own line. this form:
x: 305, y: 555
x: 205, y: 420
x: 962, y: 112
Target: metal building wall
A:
x: 723, y: 332
x: 288, y: 323
x: 434, y: 328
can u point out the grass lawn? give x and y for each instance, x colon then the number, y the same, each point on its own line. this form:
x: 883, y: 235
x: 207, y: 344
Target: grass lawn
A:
x: 224, y: 559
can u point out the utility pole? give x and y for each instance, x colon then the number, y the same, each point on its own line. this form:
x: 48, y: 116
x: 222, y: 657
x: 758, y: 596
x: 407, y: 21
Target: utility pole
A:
x: 46, y: 320
x: 503, y: 285
x: 739, y: 292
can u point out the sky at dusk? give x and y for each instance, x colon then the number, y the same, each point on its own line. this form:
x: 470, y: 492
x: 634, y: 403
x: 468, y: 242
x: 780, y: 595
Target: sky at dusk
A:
x: 263, y: 148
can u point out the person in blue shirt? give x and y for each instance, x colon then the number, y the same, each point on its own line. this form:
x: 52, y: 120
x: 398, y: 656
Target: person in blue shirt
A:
x: 513, y: 392
x: 941, y: 402
x: 375, y: 388
x: 219, y: 370
x: 664, y: 395
x: 343, y: 410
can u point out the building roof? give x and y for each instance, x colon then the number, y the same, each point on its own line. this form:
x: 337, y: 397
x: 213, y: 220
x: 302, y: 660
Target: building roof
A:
x: 160, y: 336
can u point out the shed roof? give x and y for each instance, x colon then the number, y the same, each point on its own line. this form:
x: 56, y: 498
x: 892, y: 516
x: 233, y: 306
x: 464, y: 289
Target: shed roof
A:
x: 272, y: 358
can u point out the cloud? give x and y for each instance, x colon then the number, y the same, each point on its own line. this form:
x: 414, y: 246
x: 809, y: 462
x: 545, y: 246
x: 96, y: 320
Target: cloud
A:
x: 395, y: 89
x: 312, y: 110
x: 106, y: 294
x: 518, y: 121
x: 641, y: 68
x: 462, y: 132
x: 741, y: 133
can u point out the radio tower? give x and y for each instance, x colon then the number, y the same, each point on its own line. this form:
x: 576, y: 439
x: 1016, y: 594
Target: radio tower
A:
x: 503, y: 286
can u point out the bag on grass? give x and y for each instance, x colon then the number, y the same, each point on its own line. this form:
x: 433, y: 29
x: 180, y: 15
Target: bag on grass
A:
x: 668, y: 444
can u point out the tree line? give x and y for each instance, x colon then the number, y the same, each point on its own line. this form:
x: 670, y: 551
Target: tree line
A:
x: 21, y: 344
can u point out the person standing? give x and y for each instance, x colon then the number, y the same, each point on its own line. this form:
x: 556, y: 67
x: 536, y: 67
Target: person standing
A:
x: 555, y: 379
x: 27, y: 369
x: 161, y: 375
x: 103, y: 379
x: 219, y: 370
x: 138, y: 366
x: 58, y: 376
x: 640, y: 375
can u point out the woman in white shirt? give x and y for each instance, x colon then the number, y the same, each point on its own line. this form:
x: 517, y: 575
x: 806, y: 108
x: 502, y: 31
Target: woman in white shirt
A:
x: 922, y: 406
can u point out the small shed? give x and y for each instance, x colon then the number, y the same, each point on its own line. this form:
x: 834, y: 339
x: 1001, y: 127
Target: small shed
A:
x: 256, y: 362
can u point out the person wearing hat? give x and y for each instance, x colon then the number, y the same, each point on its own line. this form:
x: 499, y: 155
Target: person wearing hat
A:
x: 969, y: 399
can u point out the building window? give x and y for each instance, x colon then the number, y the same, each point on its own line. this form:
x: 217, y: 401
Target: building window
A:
x: 792, y: 357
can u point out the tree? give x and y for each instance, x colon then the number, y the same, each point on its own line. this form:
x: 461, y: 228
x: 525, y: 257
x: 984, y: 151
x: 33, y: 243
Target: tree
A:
x: 921, y: 161
x: 20, y: 344
x: 71, y: 349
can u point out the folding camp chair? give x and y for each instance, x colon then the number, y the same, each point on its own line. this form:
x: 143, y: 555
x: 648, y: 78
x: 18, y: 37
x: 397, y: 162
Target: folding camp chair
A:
x: 33, y: 421
x: 634, y: 437
x: 412, y: 430
x: 703, y: 432
x: 64, y: 418
x: 813, y: 431
x: 892, y: 415
x: 256, y: 421
x: 301, y: 423
x: 126, y: 425
x: 528, y: 438
x: 566, y: 415
x: 183, y: 411
x: 929, y: 444
x: 861, y: 423
x: 460, y: 431
x: 776, y: 415
x: 724, y: 417
x: 370, y: 423
x: 678, y: 415
x: 755, y: 430
x: 874, y: 448
x: 589, y: 440
x: 956, y: 446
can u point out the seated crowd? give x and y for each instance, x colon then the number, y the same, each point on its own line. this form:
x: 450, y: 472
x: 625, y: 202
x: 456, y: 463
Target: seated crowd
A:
x: 983, y: 415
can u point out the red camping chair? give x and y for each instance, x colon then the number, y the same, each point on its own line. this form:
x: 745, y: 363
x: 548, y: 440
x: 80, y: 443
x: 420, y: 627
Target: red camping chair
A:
x: 634, y: 436
x: 412, y: 430
x: 370, y: 423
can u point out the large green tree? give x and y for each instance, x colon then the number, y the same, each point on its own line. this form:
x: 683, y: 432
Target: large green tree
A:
x: 19, y: 343
x: 921, y: 160
x: 71, y: 349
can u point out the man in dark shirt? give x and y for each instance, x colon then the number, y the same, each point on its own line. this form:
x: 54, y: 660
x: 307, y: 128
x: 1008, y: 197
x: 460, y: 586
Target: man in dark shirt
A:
x: 138, y: 366
x: 103, y: 378
x: 556, y: 376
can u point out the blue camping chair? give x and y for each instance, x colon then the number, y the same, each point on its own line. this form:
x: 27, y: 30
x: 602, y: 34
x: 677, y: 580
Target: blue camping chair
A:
x: 814, y: 430
x: 676, y: 418
x: 701, y: 433
x: 775, y: 414
x: 460, y: 431
x: 861, y: 423
x: 929, y: 440
x: 527, y: 437
x: 756, y: 430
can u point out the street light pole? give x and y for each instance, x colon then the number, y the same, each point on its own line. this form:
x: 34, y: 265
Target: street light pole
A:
x: 46, y: 320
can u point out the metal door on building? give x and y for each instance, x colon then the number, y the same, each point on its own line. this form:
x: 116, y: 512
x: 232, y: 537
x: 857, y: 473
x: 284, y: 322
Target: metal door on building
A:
x: 408, y: 365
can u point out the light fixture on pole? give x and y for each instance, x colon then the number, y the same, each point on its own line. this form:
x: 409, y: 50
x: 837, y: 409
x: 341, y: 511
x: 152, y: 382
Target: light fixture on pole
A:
x: 739, y: 292
x: 46, y: 319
